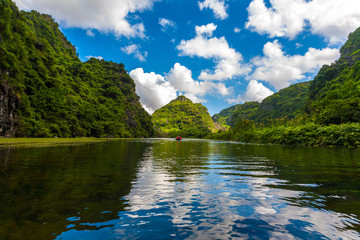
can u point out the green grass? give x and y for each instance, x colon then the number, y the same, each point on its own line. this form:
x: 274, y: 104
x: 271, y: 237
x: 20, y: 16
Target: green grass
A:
x: 48, y: 142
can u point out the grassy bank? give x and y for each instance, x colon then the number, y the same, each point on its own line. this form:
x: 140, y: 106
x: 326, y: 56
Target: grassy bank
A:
x: 310, y: 134
x: 47, y: 142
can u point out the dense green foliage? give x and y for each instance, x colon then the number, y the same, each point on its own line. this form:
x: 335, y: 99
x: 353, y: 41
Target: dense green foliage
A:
x: 224, y: 117
x: 334, y: 95
x: 308, y: 134
x: 247, y: 110
x: 59, y: 95
x: 183, y: 117
x: 322, y: 112
x: 287, y: 103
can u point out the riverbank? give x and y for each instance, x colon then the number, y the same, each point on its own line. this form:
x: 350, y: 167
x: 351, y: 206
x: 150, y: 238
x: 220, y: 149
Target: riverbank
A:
x: 48, y: 142
x: 310, y: 134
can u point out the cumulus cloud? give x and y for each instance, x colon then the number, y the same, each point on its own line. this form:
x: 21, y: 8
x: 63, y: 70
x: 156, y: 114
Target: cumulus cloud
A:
x: 136, y: 51
x: 280, y: 70
x: 181, y: 78
x: 166, y: 24
x: 228, y: 60
x: 96, y: 57
x: 332, y: 19
x: 207, y: 30
x: 255, y: 91
x: 217, y: 6
x: 153, y: 90
x: 106, y: 18
x: 194, y: 98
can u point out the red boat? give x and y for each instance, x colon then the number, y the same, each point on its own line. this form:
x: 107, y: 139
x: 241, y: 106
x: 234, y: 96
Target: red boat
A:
x: 178, y: 138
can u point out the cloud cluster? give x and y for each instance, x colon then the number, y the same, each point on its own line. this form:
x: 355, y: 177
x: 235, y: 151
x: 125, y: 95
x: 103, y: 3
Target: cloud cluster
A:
x: 155, y: 90
x: 217, y: 6
x: 255, y: 91
x: 228, y: 60
x: 181, y: 78
x: 96, y: 57
x: 166, y: 24
x: 280, y: 70
x: 275, y: 66
x: 109, y: 16
x: 332, y: 19
x: 136, y: 51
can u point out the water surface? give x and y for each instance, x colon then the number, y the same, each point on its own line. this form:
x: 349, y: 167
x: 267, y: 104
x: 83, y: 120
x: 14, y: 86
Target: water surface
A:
x: 190, y: 189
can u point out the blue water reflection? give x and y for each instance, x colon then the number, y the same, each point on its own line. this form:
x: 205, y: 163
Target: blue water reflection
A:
x: 166, y: 189
x: 207, y: 190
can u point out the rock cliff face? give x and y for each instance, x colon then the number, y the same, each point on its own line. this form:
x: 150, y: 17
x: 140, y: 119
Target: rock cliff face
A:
x: 8, y: 117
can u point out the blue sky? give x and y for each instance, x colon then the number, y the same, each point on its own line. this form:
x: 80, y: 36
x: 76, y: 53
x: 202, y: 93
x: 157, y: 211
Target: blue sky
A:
x: 217, y: 52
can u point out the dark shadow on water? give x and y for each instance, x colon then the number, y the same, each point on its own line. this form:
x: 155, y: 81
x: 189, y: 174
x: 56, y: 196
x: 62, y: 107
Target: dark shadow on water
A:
x: 43, y: 187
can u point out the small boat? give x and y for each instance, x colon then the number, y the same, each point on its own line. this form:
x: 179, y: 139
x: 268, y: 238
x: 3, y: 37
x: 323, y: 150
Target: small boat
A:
x: 178, y: 138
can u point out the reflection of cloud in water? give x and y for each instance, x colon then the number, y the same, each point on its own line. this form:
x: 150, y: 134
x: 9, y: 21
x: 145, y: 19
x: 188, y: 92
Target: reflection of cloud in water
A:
x: 210, y: 206
x: 224, y: 198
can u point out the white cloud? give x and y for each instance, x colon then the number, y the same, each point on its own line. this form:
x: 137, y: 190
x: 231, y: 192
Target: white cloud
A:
x: 194, y: 98
x: 90, y: 33
x: 166, y: 24
x: 217, y: 6
x: 207, y: 30
x: 96, y: 57
x: 135, y: 49
x: 280, y: 70
x: 237, y: 30
x: 223, y: 90
x: 333, y: 19
x: 153, y: 90
x: 255, y: 91
x: 181, y: 78
x: 228, y: 60
x: 109, y: 17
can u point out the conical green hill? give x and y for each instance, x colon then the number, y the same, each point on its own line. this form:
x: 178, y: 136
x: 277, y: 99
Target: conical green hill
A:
x: 183, y: 117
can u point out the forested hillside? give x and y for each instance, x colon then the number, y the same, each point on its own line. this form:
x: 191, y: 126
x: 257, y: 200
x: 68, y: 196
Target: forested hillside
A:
x: 322, y: 112
x: 224, y: 117
x: 334, y: 95
x: 47, y: 91
x: 183, y: 117
x: 287, y: 103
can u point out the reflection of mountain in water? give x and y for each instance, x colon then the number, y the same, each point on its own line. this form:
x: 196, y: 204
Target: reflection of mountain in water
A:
x: 42, y: 187
x: 193, y: 189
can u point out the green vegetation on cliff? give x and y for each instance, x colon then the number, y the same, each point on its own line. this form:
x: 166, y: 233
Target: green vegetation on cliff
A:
x: 183, y: 117
x: 322, y: 112
x: 247, y: 110
x: 58, y: 95
x: 287, y: 103
x: 334, y: 95
x: 224, y: 117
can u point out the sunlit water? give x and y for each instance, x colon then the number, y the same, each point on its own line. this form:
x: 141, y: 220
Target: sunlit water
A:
x: 190, y: 189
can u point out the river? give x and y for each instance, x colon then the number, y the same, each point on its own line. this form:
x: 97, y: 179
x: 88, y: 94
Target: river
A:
x: 189, y: 189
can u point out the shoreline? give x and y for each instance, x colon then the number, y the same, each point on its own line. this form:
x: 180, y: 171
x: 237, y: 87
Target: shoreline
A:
x: 49, y: 142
